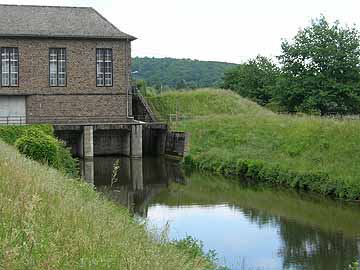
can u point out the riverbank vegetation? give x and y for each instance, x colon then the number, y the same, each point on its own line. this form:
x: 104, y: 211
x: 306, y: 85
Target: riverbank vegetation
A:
x: 50, y: 221
x: 234, y: 136
x: 39, y: 143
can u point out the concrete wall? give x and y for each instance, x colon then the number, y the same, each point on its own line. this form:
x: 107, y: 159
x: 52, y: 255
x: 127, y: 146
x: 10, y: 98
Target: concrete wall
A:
x: 177, y: 143
x: 112, y: 142
x: 72, y: 139
x: 129, y: 140
x: 80, y: 97
x: 154, y: 141
x: 102, y: 140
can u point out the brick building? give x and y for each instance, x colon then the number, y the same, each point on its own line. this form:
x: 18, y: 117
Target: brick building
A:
x: 63, y: 65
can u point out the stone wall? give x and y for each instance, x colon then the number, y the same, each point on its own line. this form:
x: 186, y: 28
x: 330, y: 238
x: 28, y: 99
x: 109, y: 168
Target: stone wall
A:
x: 76, y: 108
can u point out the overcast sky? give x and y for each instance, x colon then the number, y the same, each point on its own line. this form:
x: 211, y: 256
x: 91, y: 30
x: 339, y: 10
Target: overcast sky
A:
x: 220, y: 30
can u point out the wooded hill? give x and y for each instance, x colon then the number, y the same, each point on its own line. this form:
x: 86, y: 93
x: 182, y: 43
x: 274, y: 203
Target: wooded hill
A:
x: 178, y: 73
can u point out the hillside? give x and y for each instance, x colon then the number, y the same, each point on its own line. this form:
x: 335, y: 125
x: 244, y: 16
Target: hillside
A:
x: 178, y: 73
x: 234, y: 136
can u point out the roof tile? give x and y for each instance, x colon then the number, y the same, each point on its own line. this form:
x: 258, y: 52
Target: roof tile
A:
x: 56, y: 22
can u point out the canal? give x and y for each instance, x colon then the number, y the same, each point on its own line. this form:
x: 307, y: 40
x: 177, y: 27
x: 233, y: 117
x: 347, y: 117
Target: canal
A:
x: 249, y: 226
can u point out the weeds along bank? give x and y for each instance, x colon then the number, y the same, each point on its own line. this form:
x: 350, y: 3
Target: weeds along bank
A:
x: 50, y: 221
x: 234, y: 136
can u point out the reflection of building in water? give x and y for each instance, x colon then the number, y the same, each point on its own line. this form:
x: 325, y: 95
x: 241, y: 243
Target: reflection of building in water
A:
x: 137, y: 182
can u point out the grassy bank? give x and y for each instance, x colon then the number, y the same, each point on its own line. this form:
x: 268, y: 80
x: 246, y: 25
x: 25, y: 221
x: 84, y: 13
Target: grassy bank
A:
x: 233, y: 136
x: 49, y: 221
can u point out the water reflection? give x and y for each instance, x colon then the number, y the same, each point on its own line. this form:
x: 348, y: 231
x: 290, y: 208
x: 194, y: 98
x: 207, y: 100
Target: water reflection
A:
x: 137, y: 182
x: 267, y: 228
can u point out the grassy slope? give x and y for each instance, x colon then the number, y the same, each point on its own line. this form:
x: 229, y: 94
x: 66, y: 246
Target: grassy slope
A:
x: 51, y: 222
x: 232, y: 128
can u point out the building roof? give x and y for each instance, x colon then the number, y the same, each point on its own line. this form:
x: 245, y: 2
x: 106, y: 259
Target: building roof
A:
x: 56, y: 22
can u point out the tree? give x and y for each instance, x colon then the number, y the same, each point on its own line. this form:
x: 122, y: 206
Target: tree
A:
x: 255, y: 79
x: 320, y: 70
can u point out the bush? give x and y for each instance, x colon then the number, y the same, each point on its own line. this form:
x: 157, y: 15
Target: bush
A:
x: 38, y: 143
x: 65, y: 162
x: 10, y: 134
x: 38, y: 146
x: 354, y: 266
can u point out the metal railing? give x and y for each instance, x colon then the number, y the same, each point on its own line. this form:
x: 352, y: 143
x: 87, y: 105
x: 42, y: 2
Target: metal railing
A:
x: 12, y: 120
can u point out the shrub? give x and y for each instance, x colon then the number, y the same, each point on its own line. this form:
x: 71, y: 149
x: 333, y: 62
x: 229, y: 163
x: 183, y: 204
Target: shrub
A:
x: 65, y: 162
x: 354, y: 266
x: 38, y: 143
x: 10, y: 134
x: 38, y: 146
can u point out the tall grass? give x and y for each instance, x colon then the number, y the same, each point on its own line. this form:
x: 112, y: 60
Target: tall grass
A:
x: 237, y: 137
x: 49, y: 221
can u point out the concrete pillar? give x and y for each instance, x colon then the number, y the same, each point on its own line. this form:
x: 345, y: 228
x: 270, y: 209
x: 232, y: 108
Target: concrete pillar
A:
x: 137, y: 176
x: 161, y: 142
x: 80, y: 145
x: 125, y: 169
x: 136, y: 141
x: 186, y: 144
x: 89, y: 171
x: 125, y: 141
x: 88, y: 141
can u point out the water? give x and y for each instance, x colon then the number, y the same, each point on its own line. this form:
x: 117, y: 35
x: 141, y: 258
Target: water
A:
x: 250, y: 227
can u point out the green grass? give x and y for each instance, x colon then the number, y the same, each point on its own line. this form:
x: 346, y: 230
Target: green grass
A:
x: 234, y: 136
x: 49, y: 221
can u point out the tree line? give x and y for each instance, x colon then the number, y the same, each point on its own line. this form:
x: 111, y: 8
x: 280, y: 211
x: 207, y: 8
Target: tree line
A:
x: 163, y: 73
x: 317, y: 72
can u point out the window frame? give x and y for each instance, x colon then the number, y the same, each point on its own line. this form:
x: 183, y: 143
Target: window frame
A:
x: 18, y: 67
x: 57, y: 49
x: 112, y: 66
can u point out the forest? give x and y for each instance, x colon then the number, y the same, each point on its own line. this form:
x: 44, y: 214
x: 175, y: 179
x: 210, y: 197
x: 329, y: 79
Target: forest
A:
x: 164, y: 73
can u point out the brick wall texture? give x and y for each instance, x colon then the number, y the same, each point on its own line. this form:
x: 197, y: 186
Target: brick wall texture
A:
x: 80, y: 100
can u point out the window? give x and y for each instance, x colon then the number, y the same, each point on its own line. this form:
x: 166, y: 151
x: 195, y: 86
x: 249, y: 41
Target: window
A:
x: 9, y: 67
x: 57, y: 67
x: 104, y: 67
